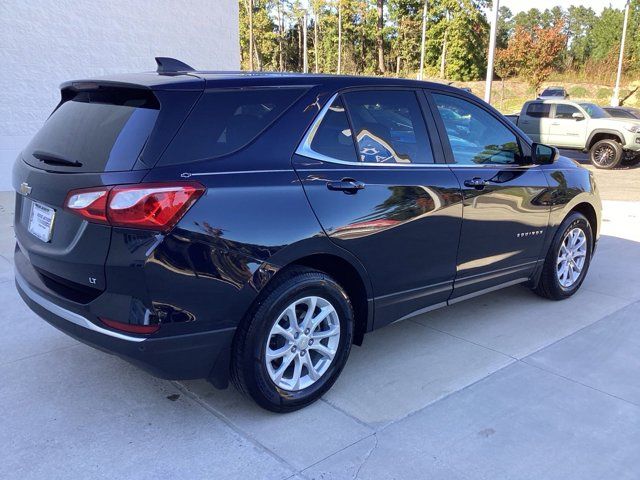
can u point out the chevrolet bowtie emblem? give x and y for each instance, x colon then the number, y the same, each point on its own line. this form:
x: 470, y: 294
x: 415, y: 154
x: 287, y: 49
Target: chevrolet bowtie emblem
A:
x: 25, y: 189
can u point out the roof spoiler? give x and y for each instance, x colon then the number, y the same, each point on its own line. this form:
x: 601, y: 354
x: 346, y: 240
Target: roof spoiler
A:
x: 171, y: 65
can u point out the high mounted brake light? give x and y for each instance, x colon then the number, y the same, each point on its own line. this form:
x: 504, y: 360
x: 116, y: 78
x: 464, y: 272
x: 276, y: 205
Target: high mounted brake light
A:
x: 152, y: 206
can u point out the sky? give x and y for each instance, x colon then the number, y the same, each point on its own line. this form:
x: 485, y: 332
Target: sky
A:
x: 522, y: 5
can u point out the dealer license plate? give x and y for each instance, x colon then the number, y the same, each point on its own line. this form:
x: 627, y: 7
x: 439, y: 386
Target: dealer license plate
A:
x: 41, y: 221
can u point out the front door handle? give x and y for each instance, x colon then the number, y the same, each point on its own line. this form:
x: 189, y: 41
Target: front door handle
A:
x: 346, y: 185
x: 475, y: 182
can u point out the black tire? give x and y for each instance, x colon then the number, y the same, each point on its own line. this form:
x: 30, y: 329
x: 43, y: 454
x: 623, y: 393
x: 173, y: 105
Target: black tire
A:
x: 549, y: 285
x: 248, y: 369
x: 606, y: 154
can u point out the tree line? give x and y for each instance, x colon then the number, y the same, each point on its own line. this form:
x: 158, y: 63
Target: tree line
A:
x: 383, y: 37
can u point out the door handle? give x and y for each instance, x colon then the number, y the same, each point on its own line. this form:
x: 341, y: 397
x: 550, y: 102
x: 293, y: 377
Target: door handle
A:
x: 475, y: 182
x: 346, y: 185
x: 555, y: 123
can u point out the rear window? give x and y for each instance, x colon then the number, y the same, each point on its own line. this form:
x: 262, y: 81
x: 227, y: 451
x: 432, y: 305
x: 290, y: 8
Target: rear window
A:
x: 539, y: 110
x: 224, y: 121
x: 95, y: 131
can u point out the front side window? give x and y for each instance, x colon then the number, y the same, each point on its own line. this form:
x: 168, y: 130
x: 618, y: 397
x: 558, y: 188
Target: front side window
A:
x: 595, y: 111
x: 389, y: 127
x: 476, y: 137
x: 566, y: 111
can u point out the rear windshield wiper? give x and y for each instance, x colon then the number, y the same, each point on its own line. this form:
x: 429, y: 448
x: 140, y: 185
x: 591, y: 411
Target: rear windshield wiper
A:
x: 52, y: 159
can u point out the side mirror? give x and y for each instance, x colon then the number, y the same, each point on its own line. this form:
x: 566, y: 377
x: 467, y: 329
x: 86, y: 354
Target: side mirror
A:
x: 543, y: 154
x: 577, y: 116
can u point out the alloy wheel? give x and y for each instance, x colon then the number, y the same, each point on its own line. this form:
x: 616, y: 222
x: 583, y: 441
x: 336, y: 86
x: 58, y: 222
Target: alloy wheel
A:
x: 604, y: 155
x: 571, y: 257
x: 302, y: 343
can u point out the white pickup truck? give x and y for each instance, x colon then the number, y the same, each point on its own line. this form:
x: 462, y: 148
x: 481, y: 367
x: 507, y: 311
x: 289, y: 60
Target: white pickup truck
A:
x: 582, y: 126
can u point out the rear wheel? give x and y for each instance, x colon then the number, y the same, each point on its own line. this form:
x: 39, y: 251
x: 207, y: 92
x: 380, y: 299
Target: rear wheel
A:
x: 567, y: 260
x: 293, y: 346
x: 606, y: 154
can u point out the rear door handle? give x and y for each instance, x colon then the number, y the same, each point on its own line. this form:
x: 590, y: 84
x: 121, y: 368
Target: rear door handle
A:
x: 346, y: 185
x: 475, y: 182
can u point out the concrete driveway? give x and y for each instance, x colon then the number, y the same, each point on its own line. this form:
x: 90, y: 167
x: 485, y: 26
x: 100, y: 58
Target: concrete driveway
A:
x: 508, y: 385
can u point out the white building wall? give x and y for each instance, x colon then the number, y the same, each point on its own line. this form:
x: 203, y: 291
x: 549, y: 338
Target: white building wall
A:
x: 46, y: 42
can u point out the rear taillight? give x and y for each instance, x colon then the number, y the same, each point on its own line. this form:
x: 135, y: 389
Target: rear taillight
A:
x: 153, y: 206
x: 90, y: 203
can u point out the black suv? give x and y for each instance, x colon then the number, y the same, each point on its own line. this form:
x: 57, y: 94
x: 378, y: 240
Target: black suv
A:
x: 254, y: 226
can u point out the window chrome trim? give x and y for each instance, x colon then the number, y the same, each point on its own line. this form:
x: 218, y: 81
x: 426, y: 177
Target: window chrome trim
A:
x: 491, y: 165
x: 305, y: 150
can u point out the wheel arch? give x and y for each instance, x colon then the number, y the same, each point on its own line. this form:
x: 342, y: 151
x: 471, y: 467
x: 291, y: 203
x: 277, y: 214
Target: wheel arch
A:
x: 586, y: 209
x: 350, y: 278
x: 320, y: 253
x: 602, y: 134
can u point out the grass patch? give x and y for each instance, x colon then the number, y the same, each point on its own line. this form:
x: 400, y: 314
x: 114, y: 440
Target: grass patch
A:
x: 604, y: 93
x: 578, y: 91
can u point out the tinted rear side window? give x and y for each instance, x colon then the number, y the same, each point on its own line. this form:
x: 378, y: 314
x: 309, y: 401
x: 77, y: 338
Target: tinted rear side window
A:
x: 333, y: 137
x: 389, y: 126
x: 539, y: 110
x: 224, y: 121
x: 95, y: 131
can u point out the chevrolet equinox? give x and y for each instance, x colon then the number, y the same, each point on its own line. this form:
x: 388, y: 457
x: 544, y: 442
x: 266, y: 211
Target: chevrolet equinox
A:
x: 252, y: 227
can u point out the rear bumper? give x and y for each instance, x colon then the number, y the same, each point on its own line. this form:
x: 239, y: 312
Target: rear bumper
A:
x: 179, y: 357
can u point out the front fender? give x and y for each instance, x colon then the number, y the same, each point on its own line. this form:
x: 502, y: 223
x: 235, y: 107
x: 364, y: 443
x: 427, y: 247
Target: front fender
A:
x: 608, y: 131
x: 571, y: 187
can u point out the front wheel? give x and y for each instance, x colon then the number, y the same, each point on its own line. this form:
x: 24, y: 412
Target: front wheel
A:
x: 293, y: 345
x: 606, y: 154
x: 567, y: 261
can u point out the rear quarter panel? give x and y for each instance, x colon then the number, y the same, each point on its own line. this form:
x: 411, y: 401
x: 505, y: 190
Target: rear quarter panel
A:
x: 246, y: 227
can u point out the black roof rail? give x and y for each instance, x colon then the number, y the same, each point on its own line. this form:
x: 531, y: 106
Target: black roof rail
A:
x: 171, y: 65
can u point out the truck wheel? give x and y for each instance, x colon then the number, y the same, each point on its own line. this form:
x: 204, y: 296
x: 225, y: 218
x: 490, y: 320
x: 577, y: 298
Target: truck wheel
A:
x: 294, y: 343
x: 606, y: 154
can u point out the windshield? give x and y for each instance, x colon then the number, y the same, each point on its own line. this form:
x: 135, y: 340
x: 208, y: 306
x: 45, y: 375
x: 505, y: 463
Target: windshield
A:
x: 594, y: 111
x: 553, y: 93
